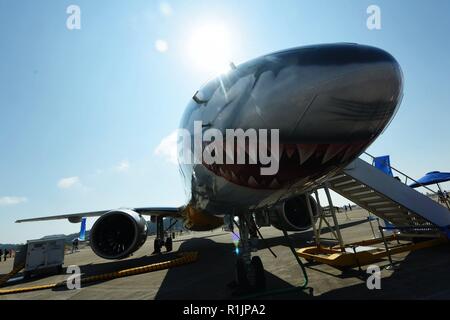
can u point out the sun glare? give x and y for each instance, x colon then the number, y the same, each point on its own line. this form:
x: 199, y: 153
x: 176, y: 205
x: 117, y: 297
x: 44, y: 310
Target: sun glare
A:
x: 209, y: 48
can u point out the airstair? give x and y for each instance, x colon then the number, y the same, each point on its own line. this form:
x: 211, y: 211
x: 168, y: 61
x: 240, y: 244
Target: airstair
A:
x: 409, y: 212
x: 388, y: 198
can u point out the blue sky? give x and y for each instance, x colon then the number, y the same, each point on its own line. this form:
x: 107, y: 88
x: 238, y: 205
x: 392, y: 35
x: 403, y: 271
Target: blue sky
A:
x: 82, y: 111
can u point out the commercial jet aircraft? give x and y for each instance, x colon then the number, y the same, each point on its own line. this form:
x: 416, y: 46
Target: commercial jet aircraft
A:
x: 328, y: 102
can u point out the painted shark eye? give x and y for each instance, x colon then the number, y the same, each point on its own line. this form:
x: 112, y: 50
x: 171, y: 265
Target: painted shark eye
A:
x: 203, y: 95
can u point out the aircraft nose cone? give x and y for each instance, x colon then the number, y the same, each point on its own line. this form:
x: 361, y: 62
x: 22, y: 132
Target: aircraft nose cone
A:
x: 324, y: 94
x: 329, y: 102
x: 335, y: 93
x: 353, y: 105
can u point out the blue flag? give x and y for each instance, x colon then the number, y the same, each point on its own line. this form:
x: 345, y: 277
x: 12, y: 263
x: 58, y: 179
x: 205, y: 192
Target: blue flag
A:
x: 384, y: 164
x: 82, y: 230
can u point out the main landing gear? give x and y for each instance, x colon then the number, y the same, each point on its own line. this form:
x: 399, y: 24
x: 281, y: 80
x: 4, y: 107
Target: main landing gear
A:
x: 161, y: 240
x: 250, y: 275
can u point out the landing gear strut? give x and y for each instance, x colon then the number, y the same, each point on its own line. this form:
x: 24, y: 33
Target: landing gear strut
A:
x: 250, y: 275
x: 161, y: 239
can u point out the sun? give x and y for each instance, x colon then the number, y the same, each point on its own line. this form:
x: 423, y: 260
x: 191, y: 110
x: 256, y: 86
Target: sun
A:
x: 209, y: 48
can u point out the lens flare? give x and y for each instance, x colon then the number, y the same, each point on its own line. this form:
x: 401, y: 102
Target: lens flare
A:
x: 209, y: 47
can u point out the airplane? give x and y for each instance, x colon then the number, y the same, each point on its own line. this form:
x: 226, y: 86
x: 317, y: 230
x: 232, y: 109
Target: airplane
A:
x: 329, y: 103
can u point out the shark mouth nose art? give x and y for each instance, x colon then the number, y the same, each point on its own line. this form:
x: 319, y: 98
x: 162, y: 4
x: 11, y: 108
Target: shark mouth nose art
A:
x: 296, y: 161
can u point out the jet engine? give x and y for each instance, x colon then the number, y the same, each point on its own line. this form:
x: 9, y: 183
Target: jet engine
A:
x: 117, y: 234
x: 293, y: 215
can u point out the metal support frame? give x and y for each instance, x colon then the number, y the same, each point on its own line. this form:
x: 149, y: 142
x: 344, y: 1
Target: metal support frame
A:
x: 335, y: 230
x: 333, y: 215
x: 174, y: 222
x: 319, y: 209
x: 369, y: 217
x: 313, y: 222
x: 391, y: 262
x: 244, y: 240
x: 323, y: 217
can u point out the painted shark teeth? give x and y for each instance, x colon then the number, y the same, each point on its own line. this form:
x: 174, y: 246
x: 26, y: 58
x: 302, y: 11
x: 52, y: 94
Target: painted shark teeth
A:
x: 252, y: 182
x: 249, y: 177
x: 290, y: 150
x: 306, y: 151
x: 275, y: 184
x: 234, y: 178
x: 227, y: 174
x: 331, y: 152
x: 350, y: 151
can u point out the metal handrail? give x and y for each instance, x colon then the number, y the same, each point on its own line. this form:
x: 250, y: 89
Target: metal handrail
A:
x: 405, y: 175
x: 446, y: 202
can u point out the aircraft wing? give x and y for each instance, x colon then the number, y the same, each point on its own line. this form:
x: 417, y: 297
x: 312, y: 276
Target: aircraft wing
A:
x: 76, y: 217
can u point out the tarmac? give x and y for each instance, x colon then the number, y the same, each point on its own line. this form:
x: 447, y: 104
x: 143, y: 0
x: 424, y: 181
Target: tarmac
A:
x: 422, y: 274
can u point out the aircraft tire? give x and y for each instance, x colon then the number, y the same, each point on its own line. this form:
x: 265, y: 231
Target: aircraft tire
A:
x: 157, y: 246
x: 260, y: 276
x: 169, y: 244
x: 241, y: 273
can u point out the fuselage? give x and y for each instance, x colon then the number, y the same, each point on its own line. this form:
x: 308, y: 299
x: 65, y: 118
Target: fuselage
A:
x: 328, y: 102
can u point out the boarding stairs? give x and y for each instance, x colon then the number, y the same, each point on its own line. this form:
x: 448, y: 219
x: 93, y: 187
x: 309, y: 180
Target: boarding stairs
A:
x: 389, y: 199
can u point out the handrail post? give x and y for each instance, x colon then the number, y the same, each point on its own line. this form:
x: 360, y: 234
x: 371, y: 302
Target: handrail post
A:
x: 333, y: 214
x: 313, y: 222
x: 391, y: 266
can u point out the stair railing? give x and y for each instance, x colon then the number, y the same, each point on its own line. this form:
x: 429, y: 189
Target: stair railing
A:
x: 413, y: 180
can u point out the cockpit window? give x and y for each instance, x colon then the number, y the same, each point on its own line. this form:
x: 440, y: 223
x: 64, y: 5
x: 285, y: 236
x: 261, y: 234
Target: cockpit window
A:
x: 223, y: 82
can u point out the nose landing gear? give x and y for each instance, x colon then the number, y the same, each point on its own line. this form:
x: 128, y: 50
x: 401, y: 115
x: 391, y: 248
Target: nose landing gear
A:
x: 250, y: 277
x: 250, y: 274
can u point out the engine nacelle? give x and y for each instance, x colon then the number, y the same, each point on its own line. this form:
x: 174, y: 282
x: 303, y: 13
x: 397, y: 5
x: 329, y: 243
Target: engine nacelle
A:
x: 117, y: 234
x: 293, y: 215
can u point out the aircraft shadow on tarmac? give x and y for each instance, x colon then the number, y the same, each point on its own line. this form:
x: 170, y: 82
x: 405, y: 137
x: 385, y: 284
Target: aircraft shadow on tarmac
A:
x: 422, y: 274
x: 208, y: 278
x: 211, y: 277
x: 113, y: 266
x: 106, y: 267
